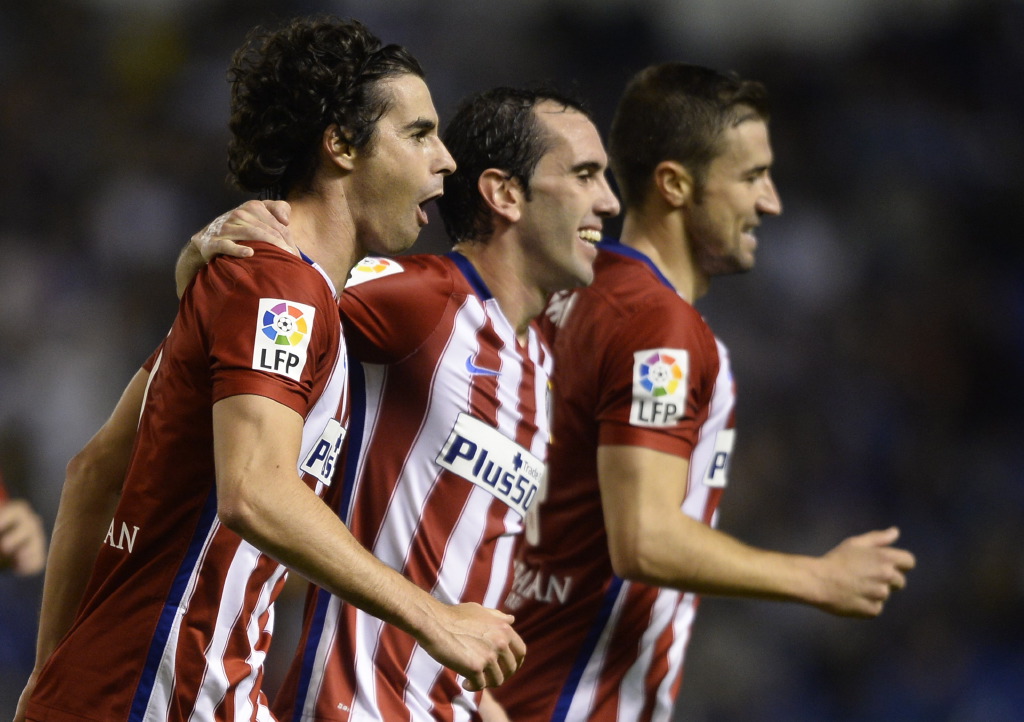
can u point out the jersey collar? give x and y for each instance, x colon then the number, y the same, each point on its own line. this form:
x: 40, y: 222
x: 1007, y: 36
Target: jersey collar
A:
x: 612, y: 245
x: 470, y: 272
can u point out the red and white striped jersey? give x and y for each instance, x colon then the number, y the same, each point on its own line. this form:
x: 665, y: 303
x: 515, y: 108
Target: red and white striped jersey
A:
x: 445, y: 455
x: 635, y: 365
x: 178, y: 614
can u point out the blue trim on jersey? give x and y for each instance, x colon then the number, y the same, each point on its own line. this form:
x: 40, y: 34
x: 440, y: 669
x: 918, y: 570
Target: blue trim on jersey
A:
x: 356, y: 429
x: 586, y: 650
x: 469, y: 271
x: 612, y: 245
x: 171, y: 605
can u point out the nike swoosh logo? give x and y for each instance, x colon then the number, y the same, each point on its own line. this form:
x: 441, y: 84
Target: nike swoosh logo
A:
x: 479, y: 370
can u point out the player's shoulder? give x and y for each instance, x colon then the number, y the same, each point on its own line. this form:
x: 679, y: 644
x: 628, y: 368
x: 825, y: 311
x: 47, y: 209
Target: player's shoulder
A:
x: 630, y: 288
x: 419, y: 276
x: 271, y: 271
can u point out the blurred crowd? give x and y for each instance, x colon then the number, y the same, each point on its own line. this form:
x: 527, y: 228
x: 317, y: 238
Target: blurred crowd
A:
x: 878, y: 345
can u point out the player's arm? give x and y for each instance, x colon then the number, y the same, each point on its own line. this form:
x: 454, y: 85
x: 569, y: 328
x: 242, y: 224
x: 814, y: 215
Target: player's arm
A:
x: 92, y: 489
x: 650, y: 539
x: 252, y: 221
x: 260, y: 497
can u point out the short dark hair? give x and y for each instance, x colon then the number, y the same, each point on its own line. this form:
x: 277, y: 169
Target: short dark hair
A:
x: 496, y: 128
x: 676, y: 111
x: 289, y: 85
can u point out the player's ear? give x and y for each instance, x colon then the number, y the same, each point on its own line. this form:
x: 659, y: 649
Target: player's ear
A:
x: 337, y: 146
x: 502, y: 193
x: 674, y: 183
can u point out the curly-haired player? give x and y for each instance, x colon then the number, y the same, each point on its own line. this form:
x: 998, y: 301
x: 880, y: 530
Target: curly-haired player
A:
x: 173, y: 550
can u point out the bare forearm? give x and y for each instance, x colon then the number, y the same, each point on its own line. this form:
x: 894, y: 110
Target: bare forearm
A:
x: 92, y: 489
x: 77, y: 535
x: 691, y: 555
x: 289, y: 522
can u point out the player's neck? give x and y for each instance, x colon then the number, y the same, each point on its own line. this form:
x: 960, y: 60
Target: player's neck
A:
x: 505, y: 276
x: 660, y: 237
x: 325, y: 233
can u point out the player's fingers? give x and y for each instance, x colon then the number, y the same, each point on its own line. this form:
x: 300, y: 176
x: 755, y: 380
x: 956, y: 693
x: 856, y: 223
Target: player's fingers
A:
x: 905, y: 560
x: 474, y: 682
x: 897, y: 580
x: 879, y: 537
x: 281, y: 210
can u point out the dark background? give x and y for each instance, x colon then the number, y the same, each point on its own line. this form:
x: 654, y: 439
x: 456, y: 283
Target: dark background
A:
x: 877, y: 346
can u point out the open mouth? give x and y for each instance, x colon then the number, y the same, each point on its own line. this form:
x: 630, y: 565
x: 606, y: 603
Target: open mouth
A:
x: 421, y: 210
x: 590, y: 235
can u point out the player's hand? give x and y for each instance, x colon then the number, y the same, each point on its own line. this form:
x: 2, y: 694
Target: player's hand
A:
x: 22, y: 539
x: 861, y: 573
x: 478, y: 643
x: 252, y: 221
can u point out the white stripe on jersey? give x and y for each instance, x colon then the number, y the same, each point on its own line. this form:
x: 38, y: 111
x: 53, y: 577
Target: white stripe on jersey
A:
x: 159, y: 703
x: 590, y: 680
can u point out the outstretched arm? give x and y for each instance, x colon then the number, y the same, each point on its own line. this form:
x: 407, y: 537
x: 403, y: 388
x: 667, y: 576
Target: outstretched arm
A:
x: 260, y: 497
x: 92, y: 489
x: 252, y: 221
x: 651, y: 540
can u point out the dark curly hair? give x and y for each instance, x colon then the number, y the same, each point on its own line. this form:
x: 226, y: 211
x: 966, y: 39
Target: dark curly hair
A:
x: 493, y: 129
x: 289, y: 85
x: 677, y: 111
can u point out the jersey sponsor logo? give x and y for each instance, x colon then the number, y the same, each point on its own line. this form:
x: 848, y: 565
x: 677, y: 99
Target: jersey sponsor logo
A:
x: 282, y: 336
x: 659, y: 386
x: 372, y: 267
x: 121, y: 537
x: 481, y: 454
x: 716, y: 475
x: 531, y: 583
x: 475, y: 370
x: 320, y: 460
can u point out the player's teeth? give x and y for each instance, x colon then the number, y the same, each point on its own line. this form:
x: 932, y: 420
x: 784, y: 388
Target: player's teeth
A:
x: 590, y: 235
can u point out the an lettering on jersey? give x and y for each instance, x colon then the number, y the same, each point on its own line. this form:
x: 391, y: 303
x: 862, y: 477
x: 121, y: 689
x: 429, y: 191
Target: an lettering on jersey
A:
x: 372, y: 267
x: 660, y: 382
x: 530, y: 583
x: 283, y: 329
x: 121, y: 537
x: 559, y: 306
x: 481, y: 454
x: 323, y: 455
x: 717, y: 472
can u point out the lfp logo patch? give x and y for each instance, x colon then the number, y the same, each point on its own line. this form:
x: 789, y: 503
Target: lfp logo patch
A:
x: 282, y: 336
x: 372, y: 267
x: 659, y: 386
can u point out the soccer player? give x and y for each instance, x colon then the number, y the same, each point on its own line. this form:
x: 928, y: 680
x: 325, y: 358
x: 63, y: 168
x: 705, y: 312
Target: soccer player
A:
x: 449, y: 430
x: 622, y: 541
x: 22, y: 539
x: 244, y: 409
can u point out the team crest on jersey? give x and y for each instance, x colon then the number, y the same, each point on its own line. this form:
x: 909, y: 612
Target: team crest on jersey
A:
x: 372, y: 267
x: 282, y: 336
x: 659, y: 386
x: 481, y: 454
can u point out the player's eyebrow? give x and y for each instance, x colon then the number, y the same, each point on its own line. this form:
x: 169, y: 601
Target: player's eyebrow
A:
x: 421, y: 124
x: 591, y: 166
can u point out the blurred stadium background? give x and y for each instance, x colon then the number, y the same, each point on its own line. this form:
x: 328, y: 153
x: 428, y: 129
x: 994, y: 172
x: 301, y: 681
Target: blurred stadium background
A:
x: 878, y: 345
